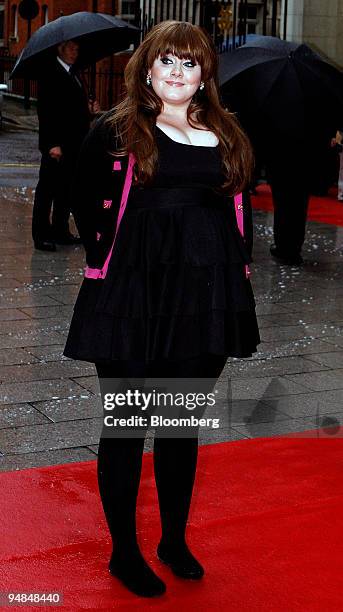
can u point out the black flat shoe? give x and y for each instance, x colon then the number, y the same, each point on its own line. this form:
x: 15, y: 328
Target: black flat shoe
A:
x: 181, y: 562
x: 45, y: 245
x: 67, y: 239
x: 137, y: 576
x: 290, y: 259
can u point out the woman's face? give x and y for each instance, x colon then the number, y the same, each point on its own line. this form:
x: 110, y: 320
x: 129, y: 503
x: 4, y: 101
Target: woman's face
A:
x: 175, y: 80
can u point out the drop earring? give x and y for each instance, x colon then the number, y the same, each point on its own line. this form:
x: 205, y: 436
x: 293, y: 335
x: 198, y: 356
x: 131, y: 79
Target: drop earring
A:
x: 202, y: 85
x: 148, y: 79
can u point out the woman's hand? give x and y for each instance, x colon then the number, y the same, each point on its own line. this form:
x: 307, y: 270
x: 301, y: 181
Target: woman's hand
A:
x: 56, y: 153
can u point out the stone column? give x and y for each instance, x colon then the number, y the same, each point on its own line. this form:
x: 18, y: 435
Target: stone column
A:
x: 320, y: 26
x: 295, y: 19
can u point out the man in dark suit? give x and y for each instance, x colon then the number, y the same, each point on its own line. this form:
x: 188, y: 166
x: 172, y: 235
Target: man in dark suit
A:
x: 64, y: 114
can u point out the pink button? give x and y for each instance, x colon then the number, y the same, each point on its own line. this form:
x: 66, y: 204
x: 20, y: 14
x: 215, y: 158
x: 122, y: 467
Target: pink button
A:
x: 117, y: 165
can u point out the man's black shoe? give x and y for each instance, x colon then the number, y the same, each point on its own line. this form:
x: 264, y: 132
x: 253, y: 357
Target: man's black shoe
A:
x: 67, y: 239
x: 290, y: 259
x: 45, y: 245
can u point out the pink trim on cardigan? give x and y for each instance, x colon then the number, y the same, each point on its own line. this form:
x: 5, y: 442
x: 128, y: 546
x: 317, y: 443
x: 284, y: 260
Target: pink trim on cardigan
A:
x: 101, y: 273
x: 92, y: 272
x: 239, y: 212
x: 240, y: 222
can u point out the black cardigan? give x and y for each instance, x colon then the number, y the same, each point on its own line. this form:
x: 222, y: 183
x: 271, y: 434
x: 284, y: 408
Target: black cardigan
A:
x: 97, y: 182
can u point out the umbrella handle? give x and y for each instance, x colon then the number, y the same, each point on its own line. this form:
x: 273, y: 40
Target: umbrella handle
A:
x: 89, y: 82
x: 92, y: 85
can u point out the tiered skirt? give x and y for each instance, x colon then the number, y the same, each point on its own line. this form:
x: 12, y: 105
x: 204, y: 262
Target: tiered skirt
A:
x: 175, y: 287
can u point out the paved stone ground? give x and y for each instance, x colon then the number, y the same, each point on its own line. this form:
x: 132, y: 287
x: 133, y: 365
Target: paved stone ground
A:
x: 51, y: 412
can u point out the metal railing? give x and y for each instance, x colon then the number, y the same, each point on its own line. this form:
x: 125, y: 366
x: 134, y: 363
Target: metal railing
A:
x: 15, y: 86
x: 109, y: 85
x: 226, y: 20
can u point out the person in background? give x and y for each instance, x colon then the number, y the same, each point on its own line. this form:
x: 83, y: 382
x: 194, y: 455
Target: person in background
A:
x: 64, y: 114
x: 288, y: 173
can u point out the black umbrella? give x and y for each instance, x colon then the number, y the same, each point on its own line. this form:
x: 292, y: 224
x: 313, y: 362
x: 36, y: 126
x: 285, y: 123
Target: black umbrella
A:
x: 98, y: 35
x: 281, y: 90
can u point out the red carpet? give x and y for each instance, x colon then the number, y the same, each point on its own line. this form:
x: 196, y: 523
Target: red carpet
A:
x: 266, y: 521
x: 321, y: 209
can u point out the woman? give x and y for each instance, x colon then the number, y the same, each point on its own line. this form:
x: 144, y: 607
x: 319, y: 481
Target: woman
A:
x: 166, y: 295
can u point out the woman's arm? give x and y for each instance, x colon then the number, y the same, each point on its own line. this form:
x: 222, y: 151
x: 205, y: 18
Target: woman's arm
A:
x: 92, y: 184
x: 248, y: 222
x: 85, y: 188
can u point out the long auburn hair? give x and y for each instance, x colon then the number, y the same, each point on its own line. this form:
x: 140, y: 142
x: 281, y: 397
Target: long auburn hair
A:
x: 134, y: 118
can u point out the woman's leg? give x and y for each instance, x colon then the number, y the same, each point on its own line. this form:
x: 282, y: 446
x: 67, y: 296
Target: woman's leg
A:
x: 175, y: 461
x: 119, y: 471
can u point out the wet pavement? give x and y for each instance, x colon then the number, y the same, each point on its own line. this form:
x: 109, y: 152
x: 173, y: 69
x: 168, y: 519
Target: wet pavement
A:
x: 19, y: 154
x: 50, y: 409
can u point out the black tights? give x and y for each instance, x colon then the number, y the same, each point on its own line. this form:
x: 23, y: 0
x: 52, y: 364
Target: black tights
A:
x: 175, y: 460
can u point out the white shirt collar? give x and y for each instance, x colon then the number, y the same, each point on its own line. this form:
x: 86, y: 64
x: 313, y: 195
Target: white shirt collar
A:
x: 64, y: 64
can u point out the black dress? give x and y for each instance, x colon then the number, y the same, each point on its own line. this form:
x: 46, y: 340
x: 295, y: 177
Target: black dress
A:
x: 176, y: 285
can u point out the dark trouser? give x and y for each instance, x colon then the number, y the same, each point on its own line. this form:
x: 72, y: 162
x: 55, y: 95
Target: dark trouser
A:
x: 175, y: 460
x: 290, y: 199
x: 53, y: 188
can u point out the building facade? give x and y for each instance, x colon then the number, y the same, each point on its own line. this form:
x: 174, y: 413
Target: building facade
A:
x: 316, y: 22
x: 14, y: 33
